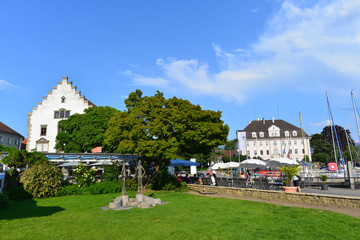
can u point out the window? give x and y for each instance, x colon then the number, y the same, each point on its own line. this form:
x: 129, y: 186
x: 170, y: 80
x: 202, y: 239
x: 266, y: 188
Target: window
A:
x: 261, y: 134
x: 289, y: 142
x: 62, y: 113
x: 16, y: 141
x: 275, y: 143
x: 9, y: 141
x: 295, y: 142
x: 267, y: 152
x: 261, y: 152
x: 254, y: 134
x: 63, y: 99
x: 294, y: 133
x: 43, y: 130
x: 247, y: 144
x: 254, y: 143
x: 1, y: 139
x: 302, y: 142
x: 255, y: 152
x: 286, y: 133
x: 283, y: 142
x: 276, y: 151
x: 42, y: 145
x: 260, y: 143
x: 248, y: 153
x: 290, y: 151
x: 267, y: 143
x: 296, y: 151
x: 303, y: 151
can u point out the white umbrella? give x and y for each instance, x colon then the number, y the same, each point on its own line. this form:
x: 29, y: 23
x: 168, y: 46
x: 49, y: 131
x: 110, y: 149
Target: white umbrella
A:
x: 231, y: 165
x: 100, y: 163
x: 252, y: 163
x: 280, y: 162
x: 217, y: 166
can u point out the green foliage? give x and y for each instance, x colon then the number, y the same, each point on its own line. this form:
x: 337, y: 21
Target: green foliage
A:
x: 306, y: 158
x: 323, y: 179
x: 321, y: 157
x: 43, y: 180
x: 341, y: 135
x: 230, y: 145
x: 83, y: 175
x: 111, y: 172
x: 17, y: 192
x: 98, y: 188
x: 290, y: 172
x: 82, y: 132
x: 4, y: 200
x: 159, y: 129
x: 165, y: 181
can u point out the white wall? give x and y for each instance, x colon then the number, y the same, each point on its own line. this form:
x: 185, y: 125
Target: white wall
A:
x: 43, y: 114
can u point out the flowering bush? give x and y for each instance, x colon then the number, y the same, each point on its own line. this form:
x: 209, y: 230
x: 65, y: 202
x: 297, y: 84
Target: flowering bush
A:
x: 83, y: 175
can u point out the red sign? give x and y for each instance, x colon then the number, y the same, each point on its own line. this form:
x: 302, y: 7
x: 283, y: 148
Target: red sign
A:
x: 332, y: 167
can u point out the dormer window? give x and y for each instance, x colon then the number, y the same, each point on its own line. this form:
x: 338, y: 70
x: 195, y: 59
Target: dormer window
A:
x: 62, y: 99
x: 261, y: 134
x: 294, y: 133
x: 286, y: 133
x: 254, y: 134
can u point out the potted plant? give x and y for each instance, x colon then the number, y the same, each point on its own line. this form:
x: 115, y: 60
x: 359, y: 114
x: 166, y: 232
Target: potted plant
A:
x: 290, y: 172
x: 323, y: 179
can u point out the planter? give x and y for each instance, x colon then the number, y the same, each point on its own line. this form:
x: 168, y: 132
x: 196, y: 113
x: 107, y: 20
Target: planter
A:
x: 324, y: 187
x: 290, y: 189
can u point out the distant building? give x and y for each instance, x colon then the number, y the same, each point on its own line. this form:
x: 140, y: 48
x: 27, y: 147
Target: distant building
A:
x: 42, y: 122
x: 272, y: 138
x: 9, y: 137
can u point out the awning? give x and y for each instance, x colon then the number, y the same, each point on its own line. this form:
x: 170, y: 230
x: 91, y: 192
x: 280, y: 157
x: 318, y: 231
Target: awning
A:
x: 182, y: 163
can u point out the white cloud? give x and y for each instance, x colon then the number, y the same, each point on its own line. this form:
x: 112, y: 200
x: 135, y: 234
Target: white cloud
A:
x: 303, y: 48
x: 321, y: 124
x: 146, y: 81
x: 4, y: 85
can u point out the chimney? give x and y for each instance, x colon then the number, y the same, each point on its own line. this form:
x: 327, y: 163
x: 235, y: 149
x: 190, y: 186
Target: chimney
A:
x: 273, y: 120
x: 263, y: 120
x: 96, y: 150
x: 249, y: 122
x: 258, y: 119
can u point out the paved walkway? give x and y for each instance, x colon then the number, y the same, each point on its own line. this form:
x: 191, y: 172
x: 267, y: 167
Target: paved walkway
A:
x: 333, y: 191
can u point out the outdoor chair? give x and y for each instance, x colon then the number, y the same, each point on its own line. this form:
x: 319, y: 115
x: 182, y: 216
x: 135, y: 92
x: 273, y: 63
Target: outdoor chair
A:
x: 257, y: 183
x: 264, y: 184
x: 207, y: 181
x: 236, y: 183
x: 220, y: 182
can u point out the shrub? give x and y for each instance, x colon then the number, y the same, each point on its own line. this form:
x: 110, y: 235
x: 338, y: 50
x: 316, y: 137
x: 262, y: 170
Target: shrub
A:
x: 4, y: 200
x: 165, y: 181
x: 43, y: 180
x: 17, y: 192
x: 111, y: 172
x: 83, y: 175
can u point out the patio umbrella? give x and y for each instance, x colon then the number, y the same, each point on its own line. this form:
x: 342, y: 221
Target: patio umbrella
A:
x: 281, y: 162
x: 182, y: 163
x: 252, y: 163
x: 217, y: 166
x: 231, y: 165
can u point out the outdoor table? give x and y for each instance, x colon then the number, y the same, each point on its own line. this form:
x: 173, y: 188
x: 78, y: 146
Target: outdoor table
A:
x: 276, y: 185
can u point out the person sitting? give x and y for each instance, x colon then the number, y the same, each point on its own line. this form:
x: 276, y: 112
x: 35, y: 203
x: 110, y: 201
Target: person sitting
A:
x: 242, y: 174
x: 179, y: 177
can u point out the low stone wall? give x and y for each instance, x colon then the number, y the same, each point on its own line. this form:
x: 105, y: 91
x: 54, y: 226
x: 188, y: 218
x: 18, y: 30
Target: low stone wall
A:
x: 310, y: 198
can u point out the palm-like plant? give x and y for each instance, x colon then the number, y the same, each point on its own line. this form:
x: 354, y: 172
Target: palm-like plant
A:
x: 290, y: 172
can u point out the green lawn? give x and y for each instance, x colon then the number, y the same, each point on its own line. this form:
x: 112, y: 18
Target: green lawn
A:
x: 185, y: 217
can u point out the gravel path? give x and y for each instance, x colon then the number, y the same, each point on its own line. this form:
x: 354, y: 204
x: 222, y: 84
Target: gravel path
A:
x: 344, y: 210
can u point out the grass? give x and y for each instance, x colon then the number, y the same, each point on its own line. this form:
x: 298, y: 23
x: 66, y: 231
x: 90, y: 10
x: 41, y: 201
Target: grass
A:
x: 185, y: 217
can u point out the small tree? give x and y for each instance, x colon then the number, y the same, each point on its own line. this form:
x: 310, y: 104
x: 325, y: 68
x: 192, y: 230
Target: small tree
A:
x: 43, y: 180
x: 290, y: 172
x: 111, y: 172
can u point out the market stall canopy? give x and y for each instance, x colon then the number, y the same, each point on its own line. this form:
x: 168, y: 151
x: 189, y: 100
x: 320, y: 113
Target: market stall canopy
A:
x: 100, y: 163
x: 217, y: 166
x: 232, y: 165
x: 252, y: 163
x: 281, y: 162
x: 182, y: 163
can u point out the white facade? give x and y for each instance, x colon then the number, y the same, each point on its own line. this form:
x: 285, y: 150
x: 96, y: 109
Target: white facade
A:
x: 268, y: 140
x: 42, y: 122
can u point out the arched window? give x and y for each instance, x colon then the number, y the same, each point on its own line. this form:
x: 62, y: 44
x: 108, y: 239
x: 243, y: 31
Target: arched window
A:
x: 254, y: 134
x: 261, y: 134
x: 62, y: 99
x: 286, y: 133
x: 294, y: 133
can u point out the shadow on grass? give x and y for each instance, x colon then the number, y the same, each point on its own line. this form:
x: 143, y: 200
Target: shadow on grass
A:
x: 27, y: 208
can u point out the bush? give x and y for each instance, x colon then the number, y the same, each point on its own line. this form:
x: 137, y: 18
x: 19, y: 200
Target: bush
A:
x: 18, y: 192
x: 111, y: 172
x: 83, y: 175
x: 4, y: 200
x: 98, y: 188
x: 166, y: 181
x: 43, y: 180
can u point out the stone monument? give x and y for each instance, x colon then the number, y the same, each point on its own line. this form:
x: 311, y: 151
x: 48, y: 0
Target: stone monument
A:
x: 140, y: 201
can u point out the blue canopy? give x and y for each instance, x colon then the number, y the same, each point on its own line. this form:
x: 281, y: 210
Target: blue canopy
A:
x: 182, y: 163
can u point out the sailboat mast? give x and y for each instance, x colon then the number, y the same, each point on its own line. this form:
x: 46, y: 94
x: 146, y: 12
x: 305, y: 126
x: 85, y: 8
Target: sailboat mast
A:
x: 356, y: 118
x: 331, y: 123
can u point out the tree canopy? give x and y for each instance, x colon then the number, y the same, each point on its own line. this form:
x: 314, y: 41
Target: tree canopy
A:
x: 82, y: 132
x: 159, y: 129
x: 341, y: 134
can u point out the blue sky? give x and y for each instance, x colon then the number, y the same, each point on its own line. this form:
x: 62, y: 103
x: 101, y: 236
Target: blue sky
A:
x: 249, y: 59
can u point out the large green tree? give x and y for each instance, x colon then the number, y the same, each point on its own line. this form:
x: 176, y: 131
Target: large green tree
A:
x: 159, y: 129
x: 82, y: 132
x: 341, y: 136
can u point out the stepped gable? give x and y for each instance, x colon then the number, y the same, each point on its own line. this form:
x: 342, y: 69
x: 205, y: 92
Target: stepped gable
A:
x: 6, y: 129
x: 263, y: 126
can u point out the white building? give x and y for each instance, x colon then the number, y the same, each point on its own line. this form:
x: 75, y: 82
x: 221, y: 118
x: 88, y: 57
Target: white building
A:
x: 272, y: 138
x: 42, y: 123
